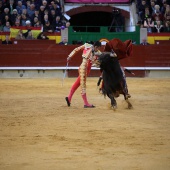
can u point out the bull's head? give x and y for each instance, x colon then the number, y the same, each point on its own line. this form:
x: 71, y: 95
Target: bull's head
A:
x: 103, y: 59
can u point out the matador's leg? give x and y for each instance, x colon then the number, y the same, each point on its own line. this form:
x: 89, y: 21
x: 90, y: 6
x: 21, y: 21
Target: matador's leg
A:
x: 77, y: 83
x: 83, y: 74
x: 73, y: 89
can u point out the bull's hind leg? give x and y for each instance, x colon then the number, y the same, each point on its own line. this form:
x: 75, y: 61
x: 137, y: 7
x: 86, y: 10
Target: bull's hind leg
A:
x: 128, y: 102
x: 113, y: 101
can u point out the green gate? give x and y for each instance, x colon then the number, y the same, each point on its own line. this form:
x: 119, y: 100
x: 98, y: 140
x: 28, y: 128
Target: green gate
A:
x: 79, y: 37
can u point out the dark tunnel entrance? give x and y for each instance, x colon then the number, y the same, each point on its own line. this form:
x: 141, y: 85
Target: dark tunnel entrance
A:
x: 91, y: 21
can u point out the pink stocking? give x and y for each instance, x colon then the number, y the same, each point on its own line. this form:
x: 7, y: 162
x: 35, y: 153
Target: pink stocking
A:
x: 86, y: 103
x: 74, y: 88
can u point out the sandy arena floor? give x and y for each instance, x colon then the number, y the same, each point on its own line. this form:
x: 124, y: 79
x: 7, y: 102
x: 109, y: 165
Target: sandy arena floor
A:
x: 39, y: 132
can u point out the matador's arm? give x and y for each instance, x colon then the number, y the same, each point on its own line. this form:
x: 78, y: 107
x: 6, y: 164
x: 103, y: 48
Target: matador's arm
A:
x: 75, y: 51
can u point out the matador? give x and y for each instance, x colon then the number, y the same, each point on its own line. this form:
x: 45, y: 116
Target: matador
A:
x: 88, y: 56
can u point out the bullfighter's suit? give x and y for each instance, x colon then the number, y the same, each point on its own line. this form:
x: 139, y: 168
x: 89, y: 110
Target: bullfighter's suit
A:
x: 88, y: 57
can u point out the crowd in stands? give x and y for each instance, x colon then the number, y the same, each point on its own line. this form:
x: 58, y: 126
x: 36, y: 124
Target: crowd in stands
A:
x: 47, y: 14
x: 154, y: 15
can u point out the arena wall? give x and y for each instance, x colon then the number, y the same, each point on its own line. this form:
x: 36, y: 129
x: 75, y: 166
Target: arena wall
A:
x: 48, y: 59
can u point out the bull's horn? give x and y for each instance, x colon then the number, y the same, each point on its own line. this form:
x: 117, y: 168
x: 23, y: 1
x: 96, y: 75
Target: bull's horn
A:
x: 113, y: 55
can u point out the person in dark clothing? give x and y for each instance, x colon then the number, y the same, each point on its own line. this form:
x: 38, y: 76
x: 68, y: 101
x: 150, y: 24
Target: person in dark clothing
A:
x: 48, y: 27
x: 63, y: 42
x: 42, y: 36
x: 11, y: 6
x: 144, y: 42
x: 141, y: 9
x: 57, y: 24
x: 7, y: 40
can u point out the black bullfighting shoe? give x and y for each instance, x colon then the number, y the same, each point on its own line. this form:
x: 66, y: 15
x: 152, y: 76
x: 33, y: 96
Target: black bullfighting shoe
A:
x: 91, y: 106
x: 68, y: 102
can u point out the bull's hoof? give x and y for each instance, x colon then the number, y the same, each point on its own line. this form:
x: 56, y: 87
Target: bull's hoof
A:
x: 114, y: 107
x: 128, y: 96
x: 130, y: 106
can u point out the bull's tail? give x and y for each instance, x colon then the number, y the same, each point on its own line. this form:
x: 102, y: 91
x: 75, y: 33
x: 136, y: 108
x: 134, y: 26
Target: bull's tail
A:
x: 99, y: 81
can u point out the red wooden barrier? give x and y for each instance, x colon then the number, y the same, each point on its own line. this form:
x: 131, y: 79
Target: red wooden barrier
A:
x: 36, y: 42
x: 44, y: 55
x: 162, y: 42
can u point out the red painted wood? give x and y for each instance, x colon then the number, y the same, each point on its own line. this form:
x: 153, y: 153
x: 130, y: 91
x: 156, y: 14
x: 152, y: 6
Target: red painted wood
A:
x: 56, y: 55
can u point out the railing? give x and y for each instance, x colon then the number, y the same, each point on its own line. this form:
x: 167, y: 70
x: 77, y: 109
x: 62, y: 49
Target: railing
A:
x: 76, y: 68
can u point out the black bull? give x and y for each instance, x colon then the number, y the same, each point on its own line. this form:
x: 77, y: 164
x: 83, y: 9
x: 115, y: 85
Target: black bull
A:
x: 112, y: 78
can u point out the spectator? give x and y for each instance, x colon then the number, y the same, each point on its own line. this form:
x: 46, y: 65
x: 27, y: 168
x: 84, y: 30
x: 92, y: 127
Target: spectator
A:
x: 158, y: 26
x: 167, y: 26
x: 20, y: 35
x: 24, y: 11
x: 63, y: 42
x: 41, y: 12
x: 23, y: 19
x: 157, y: 9
x: 17, y: 23
x: 28, y: 24
x: 42, y: 36
x: 46, y: 12
x: 45, y: 19
x: 146, y: 14
x: 167, y: 11
x: 28, y: 3
x: 29, y: 35
x: 36, y: 14
x: 152, y: 7
x: 18, y: 17
x: 6, y: 19
x: 5, y: 15
x: 51, y: 5
x: 149, y: 24
x: 7, y: 27
x: 20, y: 7
x: 56, y: 8
x: 157, y: 13
x: 11, y: 6
x: 7, y: 40
x: 57, y: 24
x: 167, y: 18
x: 67, y: 24
x: 36, y: 22
x: 144, y: 42
x: 52, y: 16
x: 13, y: 16
x: 31, y: 10
x: 163, y: 8
x: 48, y: 27
x: 141, y: 9
x: 45, y: 4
